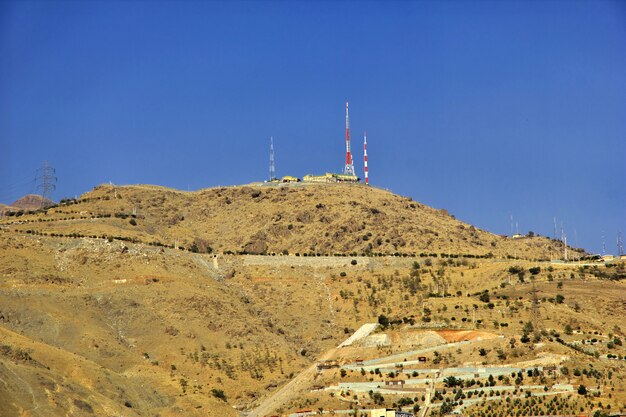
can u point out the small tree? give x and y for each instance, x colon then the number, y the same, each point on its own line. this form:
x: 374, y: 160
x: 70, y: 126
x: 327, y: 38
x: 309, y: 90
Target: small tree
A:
x: 582, y: 390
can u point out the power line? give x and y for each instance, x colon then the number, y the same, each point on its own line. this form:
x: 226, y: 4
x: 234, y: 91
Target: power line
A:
x: 16, y: 185
x: 17, y: 192
x: 46, y: 181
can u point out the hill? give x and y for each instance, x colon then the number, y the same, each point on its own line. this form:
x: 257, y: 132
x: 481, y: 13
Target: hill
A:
x: 303, y: 219
x: 32, y: 202
x: 4, y: 208
x: 99, y: 317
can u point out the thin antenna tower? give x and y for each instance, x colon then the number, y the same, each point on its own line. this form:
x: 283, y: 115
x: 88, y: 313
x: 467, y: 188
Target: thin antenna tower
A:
x: 511, y: 224
x: 367, y: 177
x: 349, y: 169
x: 272, y: 166
x: 620, y: 246
x: 47, y: 182
x: 564, y: 242
x: 603, y: 244
x: 554, y: 236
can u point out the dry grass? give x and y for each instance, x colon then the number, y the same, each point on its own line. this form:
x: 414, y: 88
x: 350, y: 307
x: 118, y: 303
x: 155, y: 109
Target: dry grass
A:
x: 106, y: 323
x: 305, y: 219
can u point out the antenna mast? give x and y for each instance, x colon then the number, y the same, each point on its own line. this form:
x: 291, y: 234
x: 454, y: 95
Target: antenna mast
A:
x: 620, y: 247
x: 349, y: 169
x: 272, y: 166
x: 367, y: 178
x: 48, y: 182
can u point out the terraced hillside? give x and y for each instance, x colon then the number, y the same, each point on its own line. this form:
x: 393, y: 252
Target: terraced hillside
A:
x: 100, y: 316
x: 309, y: 219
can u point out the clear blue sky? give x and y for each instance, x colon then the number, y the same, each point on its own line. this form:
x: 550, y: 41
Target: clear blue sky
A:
x: 487, y: 109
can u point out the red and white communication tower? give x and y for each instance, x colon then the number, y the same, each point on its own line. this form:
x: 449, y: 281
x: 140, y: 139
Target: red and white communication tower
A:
x: 349, y: 169
x: 367, y: 177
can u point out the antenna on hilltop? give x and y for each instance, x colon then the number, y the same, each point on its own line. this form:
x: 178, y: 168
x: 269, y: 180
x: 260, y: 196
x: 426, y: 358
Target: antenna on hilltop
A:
x: 367, y: 178
x: 47, y: 182
x: 620, y: 247
x: 349, y: 168
x: 554, y: 236
x: 564, y: 240
x: 272, y: 166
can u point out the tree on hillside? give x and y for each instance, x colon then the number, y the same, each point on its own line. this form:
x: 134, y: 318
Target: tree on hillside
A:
x: 452, y: 382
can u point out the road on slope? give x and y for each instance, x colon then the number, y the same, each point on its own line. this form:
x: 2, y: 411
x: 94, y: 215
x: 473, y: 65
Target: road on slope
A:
x: 429, y: 394
x: 303, y: 379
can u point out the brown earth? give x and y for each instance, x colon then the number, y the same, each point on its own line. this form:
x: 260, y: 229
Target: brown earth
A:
x: 465, y: 335
x: 31, y: 202
x: 4, y: 208
x: 93, y: 325
x: 311, y: 219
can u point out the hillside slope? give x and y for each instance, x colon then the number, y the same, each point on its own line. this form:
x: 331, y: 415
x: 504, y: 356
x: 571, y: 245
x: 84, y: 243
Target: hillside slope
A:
x: 324, y: 219
x: 32, y: 202
x: 93, y: 327
x: 101, y: 315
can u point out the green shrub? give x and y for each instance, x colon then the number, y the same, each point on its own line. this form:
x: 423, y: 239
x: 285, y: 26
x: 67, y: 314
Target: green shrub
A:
x: 218, y: 393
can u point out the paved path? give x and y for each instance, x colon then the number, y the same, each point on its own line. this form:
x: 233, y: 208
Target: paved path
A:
x: 429, y: 394
x: 399, y: 357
